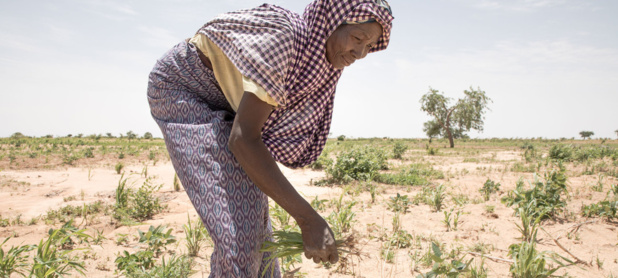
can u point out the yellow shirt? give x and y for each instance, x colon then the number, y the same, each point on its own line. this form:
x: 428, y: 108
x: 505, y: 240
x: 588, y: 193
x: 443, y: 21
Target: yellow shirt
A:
x: 232, y: 83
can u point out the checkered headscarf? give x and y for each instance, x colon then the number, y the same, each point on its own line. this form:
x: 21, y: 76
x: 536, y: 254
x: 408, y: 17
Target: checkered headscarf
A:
x: 286, y: 54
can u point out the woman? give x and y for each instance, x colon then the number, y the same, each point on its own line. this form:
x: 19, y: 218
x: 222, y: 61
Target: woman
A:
x: 251, y: 88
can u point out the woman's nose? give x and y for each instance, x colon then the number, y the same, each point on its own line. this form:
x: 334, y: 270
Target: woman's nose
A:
x: 359, y: 52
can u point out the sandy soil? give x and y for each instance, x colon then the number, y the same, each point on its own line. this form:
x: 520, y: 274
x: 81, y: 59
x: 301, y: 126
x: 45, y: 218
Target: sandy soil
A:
x: 31, y: 193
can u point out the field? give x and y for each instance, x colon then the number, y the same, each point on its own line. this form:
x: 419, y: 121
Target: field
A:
x: 487, y: 208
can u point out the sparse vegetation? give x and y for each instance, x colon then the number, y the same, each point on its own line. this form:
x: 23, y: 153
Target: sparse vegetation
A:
x: 424, y: 198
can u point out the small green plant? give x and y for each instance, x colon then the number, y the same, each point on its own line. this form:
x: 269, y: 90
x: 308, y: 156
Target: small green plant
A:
x: 543, y: 199
x: 341, y: 220
x: 119, y: 166
x: 490, y: 208
x: 489, y: 188
x: 399, y: 203
x: 52, y: 259
x: 388, y: 253
x: 14, y: 260
x: 530, y: 263
x: 399, y: 149
x: 281, y: 218
x: 156, y: 239
x: 529, y: 224
x: 432, y: 151
x: 323, y: 162
x: 317, y: 204
x: 442, y: 267
x: 176, y: 183
x: 140, y: 204
x: 196, y: 235
x: 438, y: 197
x: 598, y: 187
x: 448, y: 216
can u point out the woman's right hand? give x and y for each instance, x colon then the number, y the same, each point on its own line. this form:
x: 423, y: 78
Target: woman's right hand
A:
x: 319, y: 240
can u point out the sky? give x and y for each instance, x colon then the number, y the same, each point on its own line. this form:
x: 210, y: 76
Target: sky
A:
x: 550, y: 66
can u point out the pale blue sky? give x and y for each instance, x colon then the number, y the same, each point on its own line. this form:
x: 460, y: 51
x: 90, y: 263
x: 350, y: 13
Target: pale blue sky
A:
x: 550, y: 66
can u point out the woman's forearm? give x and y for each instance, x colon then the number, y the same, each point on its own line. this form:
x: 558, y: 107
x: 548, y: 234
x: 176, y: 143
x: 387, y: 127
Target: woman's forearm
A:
x: 262, y: 169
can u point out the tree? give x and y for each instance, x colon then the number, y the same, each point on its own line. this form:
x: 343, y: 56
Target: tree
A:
x: 616, y: 131
x: 148, y: 135
x: 467, y: 114
x: 586, y: 134
x: 131, y: 135
x: 432, y: 129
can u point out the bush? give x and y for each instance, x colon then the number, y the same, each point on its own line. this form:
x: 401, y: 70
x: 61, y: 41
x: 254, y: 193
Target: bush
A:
x: 489, y: 188
x: 543, y: 199
x: 360, y: 164
x: 561, y: 152
x: 399, y: 149
x: 416, y: 174
x: 323, y: 162
x: 140, y: 204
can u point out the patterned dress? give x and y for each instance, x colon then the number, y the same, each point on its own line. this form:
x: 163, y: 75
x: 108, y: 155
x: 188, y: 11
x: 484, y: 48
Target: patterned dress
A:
x: 285, y: 54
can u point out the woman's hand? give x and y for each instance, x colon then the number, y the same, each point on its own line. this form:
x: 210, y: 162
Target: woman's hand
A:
x: 318, y: 240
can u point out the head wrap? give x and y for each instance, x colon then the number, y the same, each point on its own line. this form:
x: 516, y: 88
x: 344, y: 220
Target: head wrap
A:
x: 286, y: 54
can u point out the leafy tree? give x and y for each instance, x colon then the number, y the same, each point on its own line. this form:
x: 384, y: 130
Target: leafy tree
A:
x: 432, y: 129
x: 147, y: 135
x: 18, y: 135
x: 586, y: 134
x: 131, y: 135
x: 454, y: 121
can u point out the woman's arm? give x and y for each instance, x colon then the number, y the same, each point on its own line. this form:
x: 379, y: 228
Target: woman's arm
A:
x: 247, y: 146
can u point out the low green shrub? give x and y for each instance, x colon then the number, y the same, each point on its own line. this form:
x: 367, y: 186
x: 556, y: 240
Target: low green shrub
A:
x: 414, y: 174
x: 543, y: 199
x: 361, y: 164
x: 561, y: 152
x: 489, y: 187
x: 399, y: 149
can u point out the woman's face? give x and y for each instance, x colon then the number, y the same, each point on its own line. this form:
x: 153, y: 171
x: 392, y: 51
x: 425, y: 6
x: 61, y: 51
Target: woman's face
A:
x: 350, y: 42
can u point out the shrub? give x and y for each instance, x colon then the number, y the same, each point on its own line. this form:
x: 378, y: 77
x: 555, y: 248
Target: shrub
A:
x: 156, y: 238
x: 543, y: 199
x: 140, y: 204
x: 399, y: 149
x: 323, y: 162
x: 145, y: 204
x: 489, y: 188
x: 561, y: 152
x: 400, y: 203
x: 415, y: 174
x: 119, y: 166
x: 357, y: 164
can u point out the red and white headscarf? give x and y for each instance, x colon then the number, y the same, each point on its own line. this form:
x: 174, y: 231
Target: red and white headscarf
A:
x: 286, y: 54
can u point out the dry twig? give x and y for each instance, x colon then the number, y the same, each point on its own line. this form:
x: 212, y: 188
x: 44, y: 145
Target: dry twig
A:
x: 577, y: 260
x: 492, y: 258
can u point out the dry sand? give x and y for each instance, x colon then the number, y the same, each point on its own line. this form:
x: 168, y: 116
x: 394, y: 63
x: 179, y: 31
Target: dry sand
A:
x: 31, y: 193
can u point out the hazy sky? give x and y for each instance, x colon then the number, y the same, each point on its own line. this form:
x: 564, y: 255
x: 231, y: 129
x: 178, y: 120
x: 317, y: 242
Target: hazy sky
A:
x: 550, y: 66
